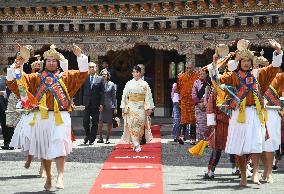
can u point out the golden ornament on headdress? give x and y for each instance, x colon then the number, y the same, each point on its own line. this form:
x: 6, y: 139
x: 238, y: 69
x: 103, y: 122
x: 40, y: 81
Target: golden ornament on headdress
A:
x: 25, y: 52
x: 261, y: 60
x: 243, y: 51
x: 222, y: 50
x: 52, y: 52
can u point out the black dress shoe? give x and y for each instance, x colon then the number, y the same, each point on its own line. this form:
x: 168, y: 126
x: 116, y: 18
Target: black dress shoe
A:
x: 91, y: 142
x: 86, y: 139
x: 143, y: 141
x: 6, y: 147
x: 180, y: 141
x: 100, y: 141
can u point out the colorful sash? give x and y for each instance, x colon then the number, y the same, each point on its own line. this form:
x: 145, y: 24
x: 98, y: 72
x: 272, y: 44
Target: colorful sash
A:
x: 248, y: 83
x: 272, y: 97
x: 52, y: 82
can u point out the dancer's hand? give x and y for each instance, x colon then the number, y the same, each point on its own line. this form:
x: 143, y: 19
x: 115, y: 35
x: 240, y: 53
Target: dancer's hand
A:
x: 76, y: 50
x: 215, y: 59
x: 19, y: 61
x: 274, y: 44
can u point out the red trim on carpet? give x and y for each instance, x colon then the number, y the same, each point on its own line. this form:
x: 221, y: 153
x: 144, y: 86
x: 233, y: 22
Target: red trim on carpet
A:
x: 128, y: 172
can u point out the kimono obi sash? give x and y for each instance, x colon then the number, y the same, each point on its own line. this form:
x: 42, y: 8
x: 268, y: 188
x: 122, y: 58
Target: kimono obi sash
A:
x: 136, y: 97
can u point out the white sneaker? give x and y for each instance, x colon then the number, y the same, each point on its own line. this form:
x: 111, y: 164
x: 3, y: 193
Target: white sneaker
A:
x: 249, y: 167
x: 249, y: 174
x: 137, y: 149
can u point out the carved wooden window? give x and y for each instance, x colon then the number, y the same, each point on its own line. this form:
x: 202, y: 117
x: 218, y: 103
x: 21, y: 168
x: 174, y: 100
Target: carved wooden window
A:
x: 249, y: 21
x: 102, y: 27
x: 123, y: 26
x: 156, y: 25
x: 91, y: 27
x: 275, y: 19
x: 134, y: 26
x: 51, y: 28
x: 145, y: 26
x: 61, y: 28
x: 214, y: 23
x: 190, y: 24
x: 71, y: 27
x: 179, y: 24
x: 226, y: 22
x: 262, y: 20
x: 10, y: 28
x: 113, y: 26
x: 237, y: 22
x: 20, y: 28
x: 168, y: 24
x: 41, y: 28
x: 81, y: 27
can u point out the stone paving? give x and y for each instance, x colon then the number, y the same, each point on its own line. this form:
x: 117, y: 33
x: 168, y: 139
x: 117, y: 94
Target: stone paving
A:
x: 182, y: 173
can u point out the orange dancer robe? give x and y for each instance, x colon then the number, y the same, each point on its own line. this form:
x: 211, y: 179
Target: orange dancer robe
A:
x: 184, y: 89
x: 73, y: 79
x: 278, y: 84
x: 265, y: 77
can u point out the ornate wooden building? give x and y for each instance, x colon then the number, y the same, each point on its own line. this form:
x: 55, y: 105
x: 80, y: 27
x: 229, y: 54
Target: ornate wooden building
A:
x: 127, y: 32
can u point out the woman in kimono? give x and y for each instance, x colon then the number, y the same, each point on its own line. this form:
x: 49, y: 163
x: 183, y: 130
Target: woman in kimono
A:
x: 198, y: 94
x: 247, y: 133
x: 137, y: 105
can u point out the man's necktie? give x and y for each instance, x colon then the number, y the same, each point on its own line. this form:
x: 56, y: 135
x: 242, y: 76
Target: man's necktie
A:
x: 92, y: 80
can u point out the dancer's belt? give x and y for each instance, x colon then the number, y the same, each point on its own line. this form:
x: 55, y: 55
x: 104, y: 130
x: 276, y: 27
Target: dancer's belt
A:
x: 136, y: 97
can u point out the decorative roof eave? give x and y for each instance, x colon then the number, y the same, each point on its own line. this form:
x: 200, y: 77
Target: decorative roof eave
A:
x: 267, y: 27
x: 122, y: 12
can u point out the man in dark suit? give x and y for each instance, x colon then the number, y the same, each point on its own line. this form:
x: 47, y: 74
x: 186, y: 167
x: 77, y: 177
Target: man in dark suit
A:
x: 150, y: 83
x: 92, y: 92
x: 7, y: 131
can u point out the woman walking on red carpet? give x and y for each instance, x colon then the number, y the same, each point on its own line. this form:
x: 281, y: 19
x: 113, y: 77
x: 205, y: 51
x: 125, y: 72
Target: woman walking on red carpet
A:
x: 137, y: 105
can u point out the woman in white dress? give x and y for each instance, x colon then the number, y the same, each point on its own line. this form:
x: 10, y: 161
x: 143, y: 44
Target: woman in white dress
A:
x: 137, y: 105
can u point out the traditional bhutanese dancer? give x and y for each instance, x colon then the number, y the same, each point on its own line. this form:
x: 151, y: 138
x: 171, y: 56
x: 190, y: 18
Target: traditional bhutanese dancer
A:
x: 247, y: 132
x: 50, y: 122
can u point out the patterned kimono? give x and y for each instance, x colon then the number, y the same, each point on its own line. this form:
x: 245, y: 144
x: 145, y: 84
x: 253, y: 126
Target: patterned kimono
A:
x: 184, y: 88
x: 198, y: 92
x: 136, y: 99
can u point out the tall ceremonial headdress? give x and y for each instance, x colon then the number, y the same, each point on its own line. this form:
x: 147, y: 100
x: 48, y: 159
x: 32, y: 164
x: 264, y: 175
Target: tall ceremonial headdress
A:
x: 52, y: 52
x: 243, y: 51
x: 261, y: 60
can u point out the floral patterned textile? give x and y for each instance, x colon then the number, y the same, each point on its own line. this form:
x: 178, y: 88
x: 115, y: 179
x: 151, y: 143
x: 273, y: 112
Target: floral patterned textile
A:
x: 136, y: 99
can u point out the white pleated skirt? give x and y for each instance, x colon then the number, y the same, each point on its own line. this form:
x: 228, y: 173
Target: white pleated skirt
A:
x: 248, y: 137
x: 274, y: 130
x: 44, y: 140
x: 22, y: 134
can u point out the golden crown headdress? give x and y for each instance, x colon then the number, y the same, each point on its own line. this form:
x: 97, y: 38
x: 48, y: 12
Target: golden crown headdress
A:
x: 52, y: 52
x: 243, y: 51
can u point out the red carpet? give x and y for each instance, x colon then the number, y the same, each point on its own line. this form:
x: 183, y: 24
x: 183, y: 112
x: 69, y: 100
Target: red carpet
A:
x: 126, y: 171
